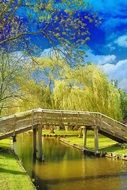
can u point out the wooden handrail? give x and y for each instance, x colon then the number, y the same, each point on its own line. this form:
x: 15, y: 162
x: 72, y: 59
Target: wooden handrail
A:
x: 36, y: 116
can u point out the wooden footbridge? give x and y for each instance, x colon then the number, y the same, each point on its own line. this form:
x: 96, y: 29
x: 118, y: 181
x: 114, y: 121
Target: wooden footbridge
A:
x: 36, y: 119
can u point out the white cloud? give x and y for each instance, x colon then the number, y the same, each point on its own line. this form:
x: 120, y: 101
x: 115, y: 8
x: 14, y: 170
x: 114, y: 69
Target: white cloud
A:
x: 99, y: 59
x: 117, y: 72
x: 122, y: 41
x: 108, y: 68
x: 20, y: 56
x: 46, y: 52
x: 123, y: 84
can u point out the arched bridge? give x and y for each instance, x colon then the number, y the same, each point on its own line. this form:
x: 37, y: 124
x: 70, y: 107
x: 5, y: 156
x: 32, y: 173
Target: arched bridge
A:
x: 37, y: 118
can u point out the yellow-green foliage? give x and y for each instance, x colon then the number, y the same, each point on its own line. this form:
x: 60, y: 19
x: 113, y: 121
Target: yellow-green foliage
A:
x: 87, y: 88
x: 36, y: 95
x: 79, y: 88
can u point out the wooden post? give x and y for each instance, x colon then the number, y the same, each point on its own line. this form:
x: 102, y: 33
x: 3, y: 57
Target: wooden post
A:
x: 80, y: 133
x: 96, y: 139
x: 14, y: 138
x: 34, y: 141
x: 39, y: 143
x: 15, y: 123
x: 84, y: 136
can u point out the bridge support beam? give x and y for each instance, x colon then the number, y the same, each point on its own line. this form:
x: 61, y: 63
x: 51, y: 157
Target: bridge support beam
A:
x: 96, y: 142
x: 14, y: 138
x: 39, y: 143
x: 34, y: 142
x: 84, y: 136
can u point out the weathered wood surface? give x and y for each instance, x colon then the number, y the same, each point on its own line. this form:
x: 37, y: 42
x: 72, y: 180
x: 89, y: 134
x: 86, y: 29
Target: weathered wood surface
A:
x: 26, y: 120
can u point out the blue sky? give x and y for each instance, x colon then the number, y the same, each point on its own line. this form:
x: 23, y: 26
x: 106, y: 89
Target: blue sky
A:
x: 111, y: 51
x: 108, y: 42
x: 113, y: 29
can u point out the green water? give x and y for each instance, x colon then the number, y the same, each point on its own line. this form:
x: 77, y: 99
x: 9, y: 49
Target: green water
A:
x: 66, y: 168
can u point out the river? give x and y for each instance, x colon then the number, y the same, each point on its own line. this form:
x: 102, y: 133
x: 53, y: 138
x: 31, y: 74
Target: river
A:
x: 66, y: 168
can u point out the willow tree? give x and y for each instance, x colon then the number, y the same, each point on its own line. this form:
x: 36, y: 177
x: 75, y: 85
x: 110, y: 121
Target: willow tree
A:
x: 87, y: 88
x: 123, y: 97
x: 35, y: 95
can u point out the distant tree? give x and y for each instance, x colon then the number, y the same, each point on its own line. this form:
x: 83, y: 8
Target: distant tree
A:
x: 123, y: 97
x: 87, y: 88
x: 11, y: 72
x: 35, y: 95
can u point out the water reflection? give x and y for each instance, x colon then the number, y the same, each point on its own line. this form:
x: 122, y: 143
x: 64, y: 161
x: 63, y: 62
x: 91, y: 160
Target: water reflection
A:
x: 66, y: 168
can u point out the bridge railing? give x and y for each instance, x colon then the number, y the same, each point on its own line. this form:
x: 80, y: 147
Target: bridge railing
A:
x: 113, y: 126
x: 57, y: 117
x: 67, y: 118
x: 15, y: 122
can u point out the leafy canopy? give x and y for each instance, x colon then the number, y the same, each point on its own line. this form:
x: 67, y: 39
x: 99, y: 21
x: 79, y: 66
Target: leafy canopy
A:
x: 33, y: 26
x: 87, y: 88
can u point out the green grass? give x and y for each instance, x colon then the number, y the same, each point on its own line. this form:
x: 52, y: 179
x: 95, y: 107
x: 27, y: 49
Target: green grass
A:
x: 103, y: 141
x: 105, y: 144
x: 61, y: 132
x: 12, y: 174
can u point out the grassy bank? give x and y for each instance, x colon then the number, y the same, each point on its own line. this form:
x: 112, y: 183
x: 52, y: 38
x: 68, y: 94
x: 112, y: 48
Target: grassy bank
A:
x: 61, y: 132
x: 105, y: 144
x: 12, y: 174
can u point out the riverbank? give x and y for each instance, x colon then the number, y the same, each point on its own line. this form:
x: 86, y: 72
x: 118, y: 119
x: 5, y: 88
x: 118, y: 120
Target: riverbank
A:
x: 101, y: 153
x: 106, y: 145
x: 12, y: 174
